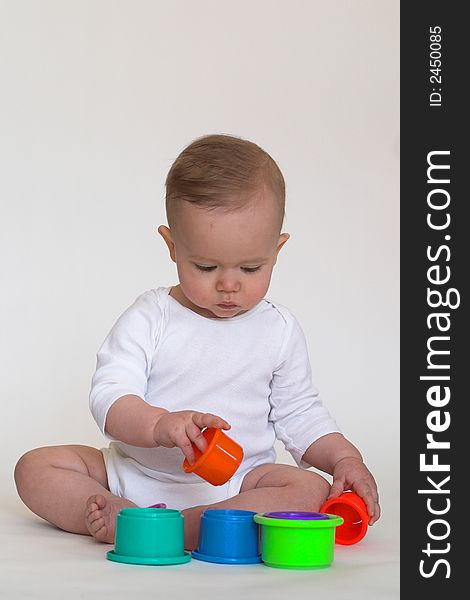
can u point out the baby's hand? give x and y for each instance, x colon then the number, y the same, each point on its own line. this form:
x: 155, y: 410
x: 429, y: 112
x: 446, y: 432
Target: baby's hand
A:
x: 352, y: 474
x: 183, y: 428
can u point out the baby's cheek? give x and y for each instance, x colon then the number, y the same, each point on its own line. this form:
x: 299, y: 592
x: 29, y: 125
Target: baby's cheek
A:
x: 197, y: 293
x: 260, y: 287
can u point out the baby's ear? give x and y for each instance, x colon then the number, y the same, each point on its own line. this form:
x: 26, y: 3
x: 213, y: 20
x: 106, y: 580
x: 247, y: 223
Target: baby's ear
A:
x: 165, y: 232
x: 282, y: 240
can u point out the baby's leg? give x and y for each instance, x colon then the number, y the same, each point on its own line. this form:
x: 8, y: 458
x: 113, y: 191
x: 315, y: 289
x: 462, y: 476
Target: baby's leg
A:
x: 68, y: 486
x: 270, y: 487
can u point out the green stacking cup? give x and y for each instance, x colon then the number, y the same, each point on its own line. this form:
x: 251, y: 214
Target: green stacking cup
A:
x: 149, y: 536
x: 289, y: 541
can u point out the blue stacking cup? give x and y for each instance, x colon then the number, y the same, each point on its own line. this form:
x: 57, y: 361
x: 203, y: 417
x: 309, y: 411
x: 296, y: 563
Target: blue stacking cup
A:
x: 228, y: 537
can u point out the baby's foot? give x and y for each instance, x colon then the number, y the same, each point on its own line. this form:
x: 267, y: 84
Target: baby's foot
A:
x: 100, y: 515
x: 192, y: 518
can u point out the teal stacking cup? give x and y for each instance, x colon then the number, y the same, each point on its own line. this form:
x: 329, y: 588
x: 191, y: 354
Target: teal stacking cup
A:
x: 149, y: 536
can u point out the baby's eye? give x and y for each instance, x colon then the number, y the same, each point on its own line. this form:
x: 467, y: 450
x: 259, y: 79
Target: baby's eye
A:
x: 205, y: 268
x: 251, y: 269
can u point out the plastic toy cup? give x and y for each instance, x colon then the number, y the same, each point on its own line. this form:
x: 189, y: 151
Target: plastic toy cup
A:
x: 297, y: 540
x: 149, y: 536
x: 229, y: 537
x: 353, y: 511
x: 221, y: 459
x: 297, y: 515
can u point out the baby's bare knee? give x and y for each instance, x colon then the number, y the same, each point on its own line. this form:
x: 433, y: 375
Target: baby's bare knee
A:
x: 31, y: 466
x: 26, y: 467
x: 310, y: 490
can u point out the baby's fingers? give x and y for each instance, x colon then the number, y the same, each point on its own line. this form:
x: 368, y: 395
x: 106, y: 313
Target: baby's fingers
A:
x: 209, y: 420
x: 184, y: 443
x: 376, y: 514
x: 192, y: 436
x: 371, y: 500
x: 195, y: 435
x: 337, y: 488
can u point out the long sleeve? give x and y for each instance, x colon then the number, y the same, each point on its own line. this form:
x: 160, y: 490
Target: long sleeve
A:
x: 297, y: 412
x: 124, y: 360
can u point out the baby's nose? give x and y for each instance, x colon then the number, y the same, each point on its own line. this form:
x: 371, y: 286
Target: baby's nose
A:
x: 228, y: 283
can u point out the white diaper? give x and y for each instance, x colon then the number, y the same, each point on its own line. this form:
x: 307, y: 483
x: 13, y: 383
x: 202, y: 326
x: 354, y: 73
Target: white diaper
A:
x: 145, y: 487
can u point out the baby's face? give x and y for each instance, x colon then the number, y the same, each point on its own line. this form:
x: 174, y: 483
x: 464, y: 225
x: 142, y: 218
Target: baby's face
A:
x: 224, y: 260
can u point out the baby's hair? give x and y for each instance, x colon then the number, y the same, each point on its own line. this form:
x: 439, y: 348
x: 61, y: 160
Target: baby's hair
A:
x: 222, y: 171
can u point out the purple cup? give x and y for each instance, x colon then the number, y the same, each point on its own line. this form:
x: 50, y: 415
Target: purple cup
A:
x: 296, y: 515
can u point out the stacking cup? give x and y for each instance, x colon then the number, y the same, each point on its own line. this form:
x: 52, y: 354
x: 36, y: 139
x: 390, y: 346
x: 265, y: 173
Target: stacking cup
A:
x: 149, y: 536
x: 229, y: 537
x: 221, y: 459
x: 297, y: 540
x: 353, y: 511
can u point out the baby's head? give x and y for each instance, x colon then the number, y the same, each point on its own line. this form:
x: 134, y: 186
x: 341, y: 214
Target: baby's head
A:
x: 225, y: 208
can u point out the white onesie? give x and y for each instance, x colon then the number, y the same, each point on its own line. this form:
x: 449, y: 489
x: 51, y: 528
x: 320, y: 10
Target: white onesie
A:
x: 252, y: 370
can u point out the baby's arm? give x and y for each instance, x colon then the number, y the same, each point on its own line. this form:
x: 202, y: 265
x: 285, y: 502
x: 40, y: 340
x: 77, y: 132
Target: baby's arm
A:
x: 132, y: 421
x: 334, y: 454
x: 120, y: 384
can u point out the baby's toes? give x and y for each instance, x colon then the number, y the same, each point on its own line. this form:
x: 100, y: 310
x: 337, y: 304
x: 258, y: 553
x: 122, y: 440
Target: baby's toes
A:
x: 98, y: 524
x: 90, y: 509
x: 95, y: 525
x: 91, y: 505
x: 93, y: 516
x: 100, y: 531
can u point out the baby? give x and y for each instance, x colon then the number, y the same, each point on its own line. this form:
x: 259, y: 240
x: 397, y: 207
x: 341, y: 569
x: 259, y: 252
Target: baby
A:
x: 208, y: 352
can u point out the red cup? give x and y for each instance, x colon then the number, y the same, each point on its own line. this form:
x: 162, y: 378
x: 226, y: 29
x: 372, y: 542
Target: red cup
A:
x: 352, y: 509
x: 221, y: 459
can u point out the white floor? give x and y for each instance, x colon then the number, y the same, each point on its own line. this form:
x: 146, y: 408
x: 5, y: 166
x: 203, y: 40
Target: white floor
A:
x: 39, y: 561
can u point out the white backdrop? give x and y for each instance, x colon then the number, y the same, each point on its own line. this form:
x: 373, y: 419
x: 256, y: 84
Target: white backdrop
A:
x: 97, y: 99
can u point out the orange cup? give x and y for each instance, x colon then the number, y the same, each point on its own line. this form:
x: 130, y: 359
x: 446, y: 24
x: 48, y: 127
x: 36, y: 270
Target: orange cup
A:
x: 352, y: 509
x: 221, y: 459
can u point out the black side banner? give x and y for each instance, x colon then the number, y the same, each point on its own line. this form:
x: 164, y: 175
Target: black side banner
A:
x: 435, y: 259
